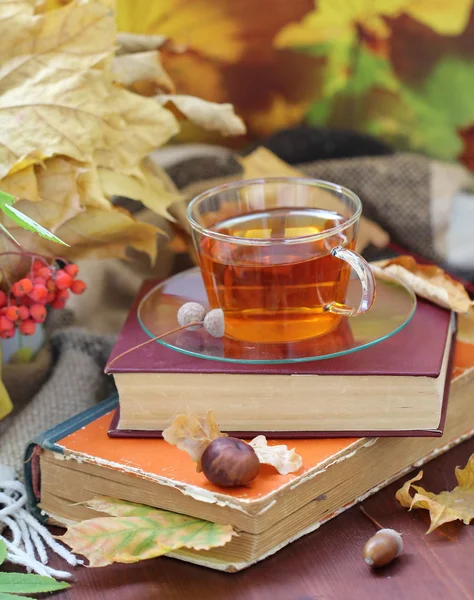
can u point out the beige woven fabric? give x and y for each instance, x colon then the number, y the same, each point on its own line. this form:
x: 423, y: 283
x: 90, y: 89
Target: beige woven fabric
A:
x: 409, y: 195
x: 76, y: 382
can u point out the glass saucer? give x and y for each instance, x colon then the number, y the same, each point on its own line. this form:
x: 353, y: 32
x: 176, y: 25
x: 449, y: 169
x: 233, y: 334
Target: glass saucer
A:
x: 394, y: 306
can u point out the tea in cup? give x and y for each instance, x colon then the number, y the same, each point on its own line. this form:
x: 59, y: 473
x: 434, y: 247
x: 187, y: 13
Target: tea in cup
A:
x: 276, y: 255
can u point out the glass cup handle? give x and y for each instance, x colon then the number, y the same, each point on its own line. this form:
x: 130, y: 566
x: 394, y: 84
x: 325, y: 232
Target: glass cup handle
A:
x: 363, y: 270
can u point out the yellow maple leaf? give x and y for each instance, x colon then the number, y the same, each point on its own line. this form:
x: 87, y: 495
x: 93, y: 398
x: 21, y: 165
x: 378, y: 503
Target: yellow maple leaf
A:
x: 10, y: 8
x: 74, y: 136
x: 99, y: 234
x: 458, y: 504
x: 147, y: 186
x: 53, y: 85
x: 58, y: 197
x: 337, y: 20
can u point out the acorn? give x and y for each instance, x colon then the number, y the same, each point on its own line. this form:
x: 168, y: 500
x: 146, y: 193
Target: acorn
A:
x: 230, y: 462
x: 383, y: 547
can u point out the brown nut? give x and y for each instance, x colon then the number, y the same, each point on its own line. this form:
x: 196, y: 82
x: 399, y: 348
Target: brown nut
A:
x: 229, y: 462
x: 383, y: 547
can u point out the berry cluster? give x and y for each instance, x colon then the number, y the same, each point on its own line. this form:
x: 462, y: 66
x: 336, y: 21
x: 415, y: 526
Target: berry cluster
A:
x: 25, y: 303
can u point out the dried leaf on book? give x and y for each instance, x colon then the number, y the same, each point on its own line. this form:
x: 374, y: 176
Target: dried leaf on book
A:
x: 458, y: 504
x: 193, y: 434
x: 135, y: 532
x: 279, y: 456
x: 429, y: 281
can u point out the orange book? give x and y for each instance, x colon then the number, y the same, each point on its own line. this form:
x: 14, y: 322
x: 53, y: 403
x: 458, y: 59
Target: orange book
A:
x: 77, y: 460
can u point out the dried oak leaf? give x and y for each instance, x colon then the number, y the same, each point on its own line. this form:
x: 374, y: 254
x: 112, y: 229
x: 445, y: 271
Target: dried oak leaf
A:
x: 430, y: 282
x: 279, y: 456
x: 193, y: 434
x: 457, y: 504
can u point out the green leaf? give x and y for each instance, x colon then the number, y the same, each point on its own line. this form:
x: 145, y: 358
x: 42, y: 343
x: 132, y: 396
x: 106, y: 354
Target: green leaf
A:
x: 138, y: 532
x: 3, y: 551
x: 4, y: 596
x: 432, y: 130
x: 449, y: 91
x: 319, y: 111
x: 369, y: 71
x: 6, y: 205
x: 19, y: 583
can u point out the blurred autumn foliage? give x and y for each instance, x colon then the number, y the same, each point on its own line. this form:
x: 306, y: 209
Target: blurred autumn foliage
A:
x: 402, y: 70
x: 225, y: 52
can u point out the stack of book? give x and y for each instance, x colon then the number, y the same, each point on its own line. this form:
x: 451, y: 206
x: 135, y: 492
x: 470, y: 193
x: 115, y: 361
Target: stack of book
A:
x: 358, y: 422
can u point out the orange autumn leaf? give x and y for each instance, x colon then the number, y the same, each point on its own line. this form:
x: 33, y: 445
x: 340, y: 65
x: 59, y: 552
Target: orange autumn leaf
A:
x: 430, y: 282
x: 456, y: 505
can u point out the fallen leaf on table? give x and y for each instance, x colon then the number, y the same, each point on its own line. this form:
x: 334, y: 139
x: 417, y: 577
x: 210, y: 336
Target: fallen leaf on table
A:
x: 457, y: 504
x: 208, y: 115
x: 139, y: 532
x: 430, y: 282
x: 285, y: 461
x: 192, y: 434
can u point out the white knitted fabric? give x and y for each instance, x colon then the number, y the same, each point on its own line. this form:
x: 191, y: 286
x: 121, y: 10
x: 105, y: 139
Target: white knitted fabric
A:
x: 76, y: 383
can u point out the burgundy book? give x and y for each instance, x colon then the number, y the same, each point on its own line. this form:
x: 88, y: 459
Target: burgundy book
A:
x: 398, y: 387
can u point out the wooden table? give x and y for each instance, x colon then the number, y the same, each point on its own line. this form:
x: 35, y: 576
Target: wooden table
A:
x: 324, y: 565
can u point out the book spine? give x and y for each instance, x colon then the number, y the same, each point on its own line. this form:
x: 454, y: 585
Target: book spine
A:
x: 47, y: 440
